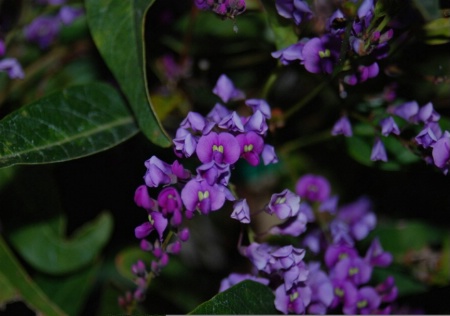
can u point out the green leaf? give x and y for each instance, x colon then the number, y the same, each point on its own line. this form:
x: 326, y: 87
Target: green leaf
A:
x: 33, y: 296
x: 283, y: 34
x: 44, y: 247
x: 247, y: 297
x: 76, y: 122
x: 117, y: 30
x: 438, y: 31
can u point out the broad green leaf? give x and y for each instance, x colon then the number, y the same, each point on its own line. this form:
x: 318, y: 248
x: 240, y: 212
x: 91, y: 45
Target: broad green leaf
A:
x: 117, y: 30
x: 32, y: 295
x: 247, y: 297
x: 76, y: 122
x: 8, y: 292
x: 45, y: 248
x: 62, y: 288
x: 438, y: 31
x: 429, y: 9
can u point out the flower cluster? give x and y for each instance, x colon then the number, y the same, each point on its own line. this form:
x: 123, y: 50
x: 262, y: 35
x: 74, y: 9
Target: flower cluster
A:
x: 322, y: 54
x: 337, y: 278
x: 10, y: 65
x: 218, y: 140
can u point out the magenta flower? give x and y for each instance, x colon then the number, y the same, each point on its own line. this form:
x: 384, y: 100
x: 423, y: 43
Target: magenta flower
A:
x: 199, y: 195
x: 12, y: 67
x: 221, y: 148
x: 251, y: 145
x: 226, y: 90
x: 156, y: 221
x: 378, y: 151
x: 143, y: 199
x: 376, y: 256
x: 241, y: 211
x: 342, y: 127
x: 169, y: 201
x: 285, y: 204
x: 314, y: 188
x: 235, y: 278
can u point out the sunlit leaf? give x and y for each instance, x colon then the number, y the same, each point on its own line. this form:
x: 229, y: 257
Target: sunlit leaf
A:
x: 11, y: 270
x: 76, y: 122
x: 247, y: 297
x: 43, y: 246
x: 437, y: 31
x: 117, y: 29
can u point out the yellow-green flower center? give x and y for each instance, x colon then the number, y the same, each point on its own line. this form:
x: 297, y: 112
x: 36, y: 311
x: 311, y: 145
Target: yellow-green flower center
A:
x: 361, y: 304
x: 248, y: 148
x: 339, y: 292
x: 203, y: 195
x: 280, y: 200
x: 324, y: 53
x: 293, y: 296
x: 218, y: 148
x: 353, y: 271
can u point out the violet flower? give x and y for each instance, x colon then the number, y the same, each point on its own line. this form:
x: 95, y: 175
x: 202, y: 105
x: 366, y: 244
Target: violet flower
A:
x: 388, y: 126
x: 259, y: 105
x: 169, y: 201
x: 232, y: 123
x: 42, y: 31
x: 158, y: 172
x: 359, y: 217
x: 283, y: 205
x: 298, y: 10
x: 441, y: 151
x: 344, y: 292
x: 214, y: 173
x: 314, y: 188
x: 12, y: 67
x: 184, y: 143
x: 226, y: 90
x: 156, y: 221
x: 268, y: 155
x: 2, y: 47
x: 143, y: 199
x: 294, y: 300
x: 194, y: 121
x: 257, y: 123
x: 241, y: 211
x: 376, y: 256
x: 426, y: 137
x: 427, y: 114
x: 407, y: 110
x: 362, y: 74
x: 321, y: 54
x: 293, y: 226
x: 337, y: 252
x: 367, y: 301
x: 378, y: 151
x: 342, y: 127
x: 217, y: 113
x: 251, y: 145
x: 68, y: 14
x: 321, y: 290
x: 354, y: 269
x: 221, y: 148
x: 199, y: 195
x: 291, y: 53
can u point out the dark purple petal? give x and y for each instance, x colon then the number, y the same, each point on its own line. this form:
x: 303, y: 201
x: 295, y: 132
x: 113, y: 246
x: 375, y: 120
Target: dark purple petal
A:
x: 142, y: 199
x: 314, y: 188
x: 143, y: 230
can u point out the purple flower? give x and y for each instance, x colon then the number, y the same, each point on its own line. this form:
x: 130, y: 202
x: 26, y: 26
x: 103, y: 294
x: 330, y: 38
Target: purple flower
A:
x: 389, y: 126
x: 258, y: 254
x: 362, y: 74
x: 143, y: 199
x: 321, y: 54
x: 241, y: 211
x: 214, y: 173
x: 285, y: 204
x: 441, y: 151
x: 314, y: 188
x: 158, y: 172
x: 375, y: 255
x: 169, y: 201
x: 194, y: 121
x: 226, y: 90
x: 268, y: 155
x: 259, y: 105
x: 342, y: 127
x: 367, y: 301
x: 387, y: 290
x: 232, y: 122
x: 295, y: 300
x: 2, y: 48
x: 293, y: 226
x: 354, y: 269
x: 428, y: 114
x: 221, y: 148
x: 321, y: 289
x: 291, y: 53
x: 251, y: 145
x: 407, y: 111
x: 69, y: 14
x: 426, y: 137
x: 257, y: 123
x: 337, y: 252
x: 184, y: 143
x: 199, y: 195
x: 298, y: 10
x: 156, y: 221
x: 329, y: 205
x: 42, y: 31
x: 218, y: 113
x: 235, y: 278
x: 12, y: 67
x: 344, y: 292
x: 179, y: 171
x: 378, y: 151
x: 359, y: 217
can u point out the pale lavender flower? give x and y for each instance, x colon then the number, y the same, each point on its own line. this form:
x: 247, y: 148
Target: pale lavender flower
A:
x: 259, y: 105
x: 298, y: 10
x: 12, y: 67
x: 378, y: 151
x: 342, y: 127
x: 291, y: 53
x: 441, y: 151
x: 293, y: 226
x: 68, y: 14
x: 226, y: 90
x: 214, y: 173
x: 285, y: 204
x: 158, y: 172
x: 241, y: 211
x: 268, y: 155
